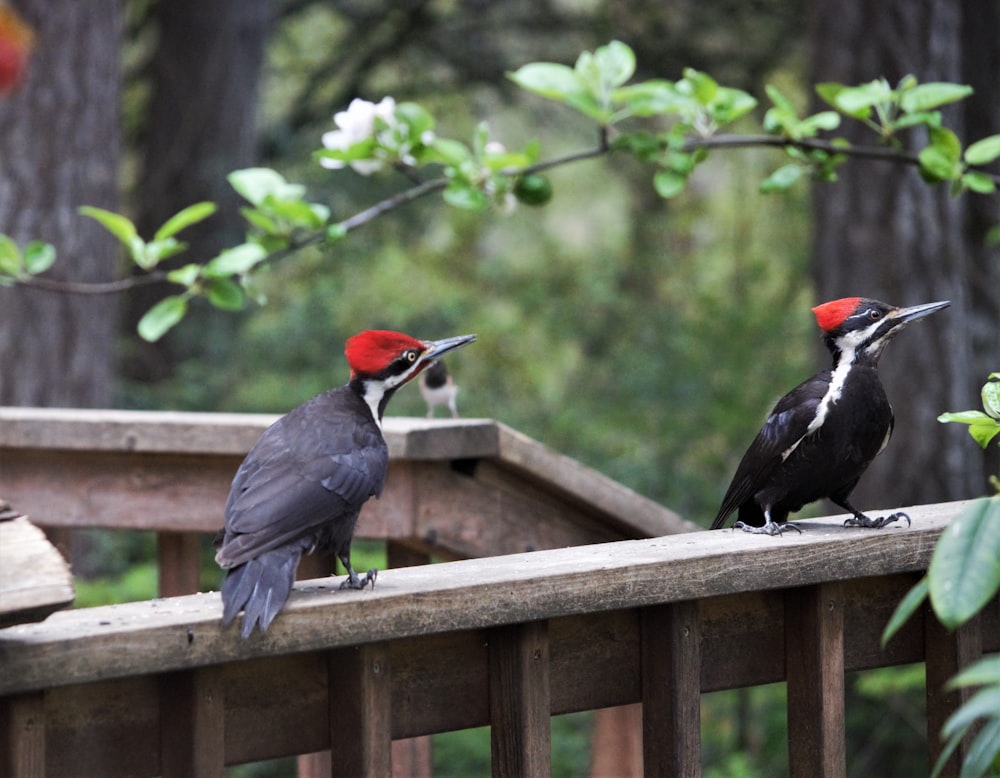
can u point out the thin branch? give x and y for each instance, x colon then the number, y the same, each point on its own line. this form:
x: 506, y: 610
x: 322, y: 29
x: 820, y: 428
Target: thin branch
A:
x: 438, y: 184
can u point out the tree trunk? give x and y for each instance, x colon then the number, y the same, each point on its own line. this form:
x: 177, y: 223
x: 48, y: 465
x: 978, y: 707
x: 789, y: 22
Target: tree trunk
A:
x: 202, y: 125
x: 882, y: 232
x: 60, y: 149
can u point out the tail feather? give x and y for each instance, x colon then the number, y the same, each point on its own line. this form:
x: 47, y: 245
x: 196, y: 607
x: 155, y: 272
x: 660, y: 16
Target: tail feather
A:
x: 260, y: 588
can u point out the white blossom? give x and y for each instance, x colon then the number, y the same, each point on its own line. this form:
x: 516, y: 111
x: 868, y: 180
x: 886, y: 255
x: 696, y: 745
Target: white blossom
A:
x: 355, y: 125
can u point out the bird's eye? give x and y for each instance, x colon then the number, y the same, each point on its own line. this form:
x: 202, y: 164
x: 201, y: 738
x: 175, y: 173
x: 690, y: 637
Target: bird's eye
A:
x: 874, y: 315
x: 411, y: 355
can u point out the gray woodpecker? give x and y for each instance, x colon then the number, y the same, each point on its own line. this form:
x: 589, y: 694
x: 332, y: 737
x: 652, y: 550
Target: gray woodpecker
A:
x: 822, y: 436
x: 302, y: 485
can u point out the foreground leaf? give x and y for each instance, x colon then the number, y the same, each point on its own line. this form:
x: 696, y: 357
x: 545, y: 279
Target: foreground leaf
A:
x: 185, y: 218
x: 965, y: 568
x: 161, y: 317
x: 906, y: 608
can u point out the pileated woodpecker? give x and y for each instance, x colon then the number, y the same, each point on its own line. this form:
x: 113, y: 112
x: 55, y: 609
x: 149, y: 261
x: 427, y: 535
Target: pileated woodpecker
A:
x: 823, y: 434
x: 303, y: 483
x: 438, y: 388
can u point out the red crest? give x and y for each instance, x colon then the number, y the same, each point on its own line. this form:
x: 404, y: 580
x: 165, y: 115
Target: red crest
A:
x: 831, y: 315
x: 370, y: 351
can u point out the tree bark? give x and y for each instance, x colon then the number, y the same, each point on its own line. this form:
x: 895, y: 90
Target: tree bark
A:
x: 202, y: 125
x: 59, y: 149
x: 882, y: 232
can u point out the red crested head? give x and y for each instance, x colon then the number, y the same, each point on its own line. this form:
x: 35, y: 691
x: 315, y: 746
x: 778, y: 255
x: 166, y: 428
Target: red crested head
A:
x: 371, y: 351
x: 831, y: 315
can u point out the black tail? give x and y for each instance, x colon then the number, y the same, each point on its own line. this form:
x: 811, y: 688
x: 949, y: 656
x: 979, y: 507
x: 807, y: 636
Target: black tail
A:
x: 259, y: 587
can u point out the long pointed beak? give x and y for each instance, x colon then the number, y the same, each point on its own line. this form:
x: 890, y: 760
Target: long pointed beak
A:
x: 914, y: 312
x: 436, y: 348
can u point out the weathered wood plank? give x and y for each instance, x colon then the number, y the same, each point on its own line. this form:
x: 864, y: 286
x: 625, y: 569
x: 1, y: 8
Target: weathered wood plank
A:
x: 947, y: 653
x: 192, y: 723
x: 183, y: 632
x: 814, y: 667
x: 178, y: 565
x: 519, y: 700
x: 22, y: 735
x: 671, y: 690
x: 171, y: 471
x: 360, y: 705
x: 34, y: 578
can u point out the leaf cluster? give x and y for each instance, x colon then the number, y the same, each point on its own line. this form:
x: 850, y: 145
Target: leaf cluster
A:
x: 964, y: 575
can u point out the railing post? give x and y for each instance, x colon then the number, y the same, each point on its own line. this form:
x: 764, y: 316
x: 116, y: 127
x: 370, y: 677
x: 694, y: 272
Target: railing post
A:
x: 361, y: 711
x: 945, y: 654
x: 671, y: 690
x: 814, y: 670
x: 178, y: 563
x: 519, y: 700
x: 192, y: 723
x: 22, y: 735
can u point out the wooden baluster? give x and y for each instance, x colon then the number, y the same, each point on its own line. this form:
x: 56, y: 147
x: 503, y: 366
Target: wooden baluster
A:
x: 192, y: 723
x: 22, y: 735
x: 179, y: 563
x: 671, y: 690
x: 519, y: 700
x: 361, y: 711
x: 814, y: 667
x: 945, y: 654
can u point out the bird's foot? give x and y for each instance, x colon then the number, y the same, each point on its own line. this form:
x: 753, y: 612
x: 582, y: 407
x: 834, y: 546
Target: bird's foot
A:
x: 768, y: 529
x: 355, y: 581
x: 860, y: 520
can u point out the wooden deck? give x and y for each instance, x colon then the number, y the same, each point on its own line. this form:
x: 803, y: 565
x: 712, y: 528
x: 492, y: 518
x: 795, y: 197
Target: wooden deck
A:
x: 158, y: 688
x: 506, y: 641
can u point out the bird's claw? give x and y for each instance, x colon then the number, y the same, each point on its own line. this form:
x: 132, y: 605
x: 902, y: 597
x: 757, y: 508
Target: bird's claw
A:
x: 768, y: 529
x: 860, y: 520
x: 354, y: 581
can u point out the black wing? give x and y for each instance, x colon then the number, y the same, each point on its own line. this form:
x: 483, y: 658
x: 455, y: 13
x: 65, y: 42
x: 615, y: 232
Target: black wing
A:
x: 315, y: 466
x: 784, y: 429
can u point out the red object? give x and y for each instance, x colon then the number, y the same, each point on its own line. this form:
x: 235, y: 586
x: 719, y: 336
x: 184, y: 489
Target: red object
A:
x: 831, y: 315
x: 16, y: 40
x: 371, y: 350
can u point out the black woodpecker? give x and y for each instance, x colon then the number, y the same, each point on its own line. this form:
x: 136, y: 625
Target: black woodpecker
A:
x: 823, y: 434
x: 302, y: 485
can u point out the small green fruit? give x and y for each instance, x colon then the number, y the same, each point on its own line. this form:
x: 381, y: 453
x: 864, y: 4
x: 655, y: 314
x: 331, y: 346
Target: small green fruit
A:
x: 533, y: 189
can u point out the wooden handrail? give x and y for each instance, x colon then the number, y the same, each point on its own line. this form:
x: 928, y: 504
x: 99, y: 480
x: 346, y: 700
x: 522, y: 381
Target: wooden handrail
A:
x: 183, y: 632
x: 503, y: 639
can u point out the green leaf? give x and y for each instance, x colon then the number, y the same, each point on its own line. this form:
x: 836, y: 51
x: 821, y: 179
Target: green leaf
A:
x: 185, y: 276
x: 965, y: 569
x: 11, y: 263
x: 855, y: 101
x: 119, y: 226
x: 38, y: 256
x: 461, y: 195
x: 548, y: 79
x: 651, y: 98
x: 185, y: 218
x: 940, y: 161
x: 906, y: 608
x: 226, y: 294
x: 416, y: 117
x: 932, y: 95
x: 699, y: 85
x: 984, y: 151
x: 616, y: 63
x: 669, y: 183
x: 161, y: 317
x: 983, y: 750
x: 239, y: 259
x: 979, y: 183
x: 256, y: 183
x: 781, y: 179
x: 985, y: 702
x: 261, y: 221
x: 962, y: 417
x: 824, y: 120
x: 156, y: 251
x: 986, y: 670
x: 731, y: 104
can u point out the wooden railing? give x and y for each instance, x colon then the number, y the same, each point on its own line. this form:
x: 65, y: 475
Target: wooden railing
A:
x: 158, y: 688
